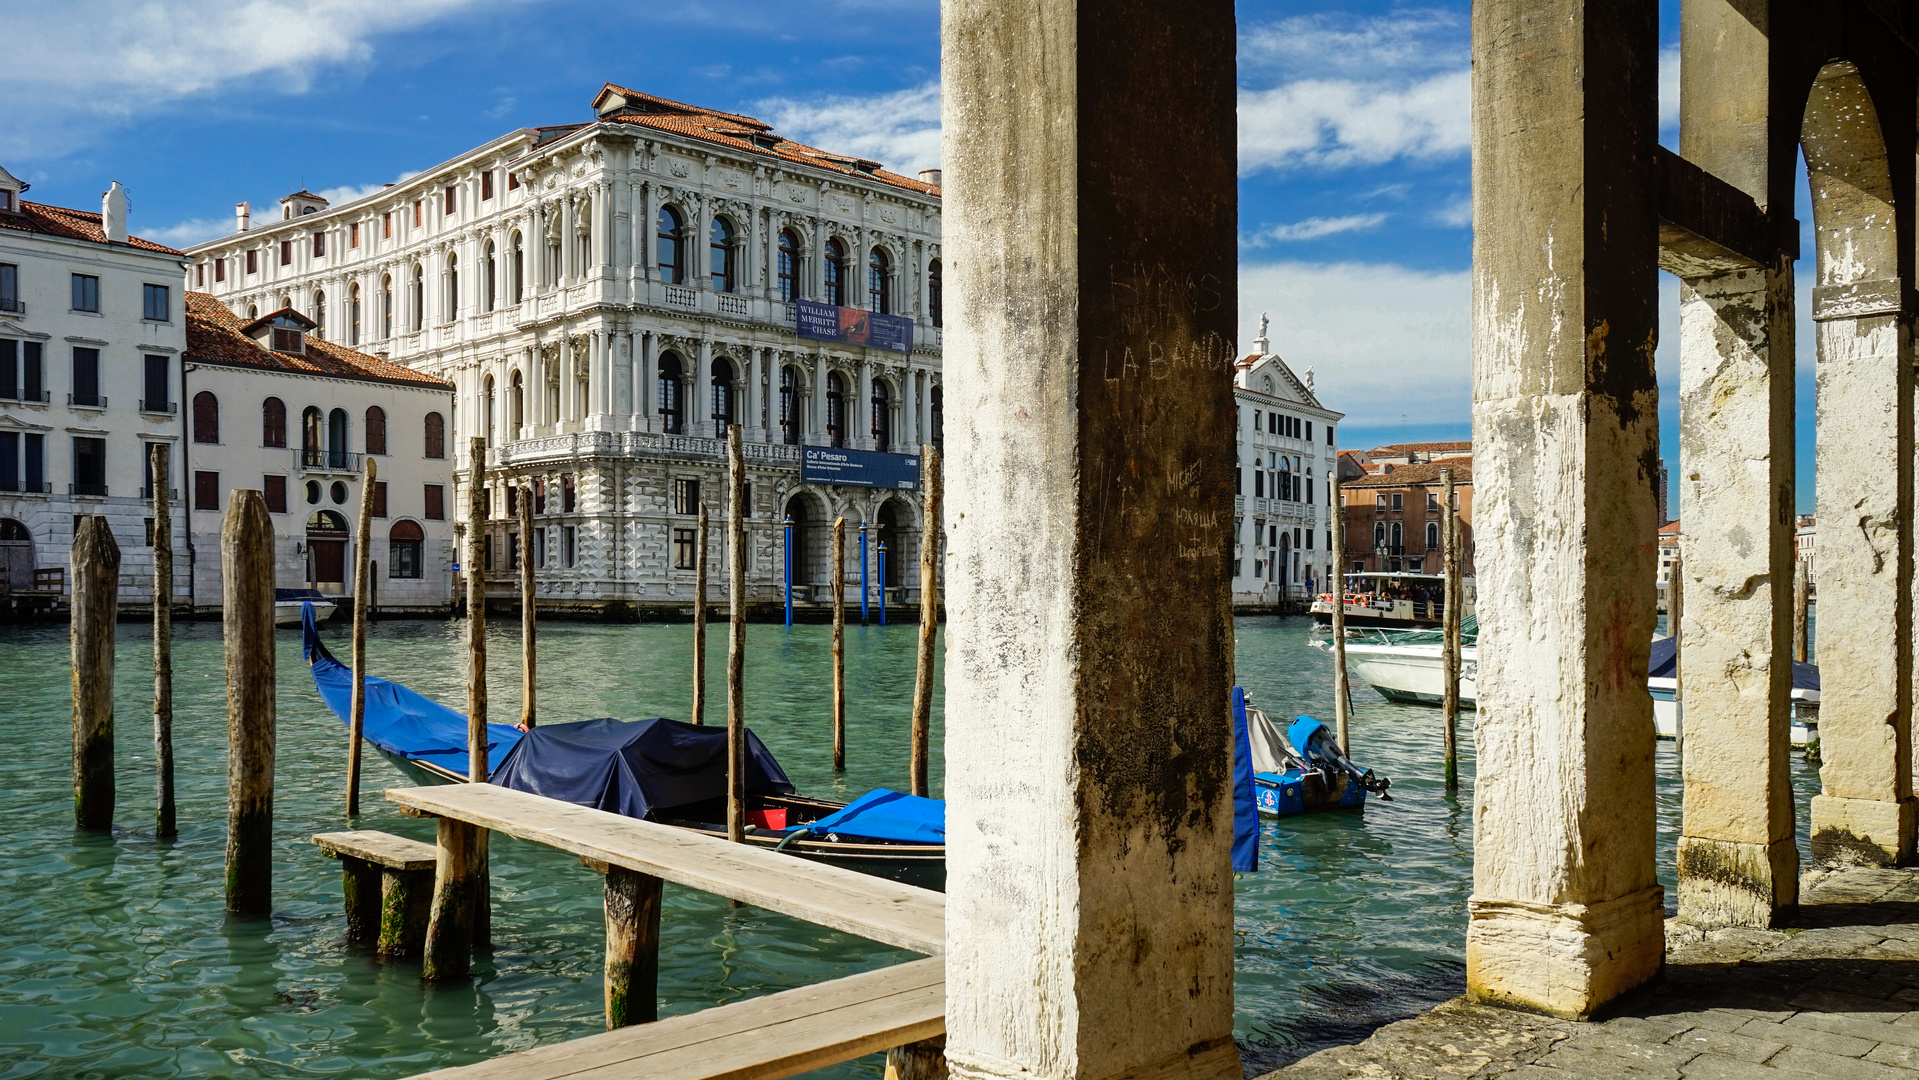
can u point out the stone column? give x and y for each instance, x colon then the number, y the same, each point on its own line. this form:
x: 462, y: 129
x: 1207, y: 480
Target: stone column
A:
x: 643, y: 393
x: 1566, y: 913
x: 699, y: 411
x: 817, y: 426
x: 818, y: 268
x: 860, y: 416
x: 649, y: 224
x: 1088, y: 778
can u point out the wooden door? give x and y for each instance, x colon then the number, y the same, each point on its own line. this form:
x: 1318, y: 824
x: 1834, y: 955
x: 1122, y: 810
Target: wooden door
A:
x: 329, y: 562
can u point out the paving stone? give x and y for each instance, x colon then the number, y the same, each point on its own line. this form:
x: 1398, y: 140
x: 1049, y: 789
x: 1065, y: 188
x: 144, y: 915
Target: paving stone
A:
x: 1810, y: 1037
x: 1850, y: 1024
x: 1724, y: 1021
x: 1828, y: 1000
x: 1835, y: 1067
x: 1641, y: 1030
x: 1721, y: 1067
x: 1706, y: 1041
x: 1604, y: 1062
x: 1904, y: 1057
x: 1830, y: 942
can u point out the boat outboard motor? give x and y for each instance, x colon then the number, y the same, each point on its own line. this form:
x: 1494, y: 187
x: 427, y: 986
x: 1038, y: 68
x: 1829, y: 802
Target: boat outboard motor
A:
x: 1316, y: 744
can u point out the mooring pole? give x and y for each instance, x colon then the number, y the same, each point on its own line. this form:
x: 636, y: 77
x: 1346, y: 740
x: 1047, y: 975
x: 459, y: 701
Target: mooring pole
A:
x: 528, y: 655
x: 929, y: 616
x: 165, y: 825
x: 699, y: 622
x: 881, y: 550
x: 787, y: 549
x: 246, y: 572
x: 735, y: 635
x: 1801, y: 603
x: 865, y: 590
x: 1342, y: 693
x: 632, y: 947
x: 362, y: 599
x: 839, y: 641
x: 480, y: 933
x: 1449, y: 649
x: 96, y: 599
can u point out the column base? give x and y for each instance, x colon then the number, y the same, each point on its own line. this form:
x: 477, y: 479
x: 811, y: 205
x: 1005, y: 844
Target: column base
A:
x: 1863, y: 832
x: 1734, y: 883
x: 1563, y: 960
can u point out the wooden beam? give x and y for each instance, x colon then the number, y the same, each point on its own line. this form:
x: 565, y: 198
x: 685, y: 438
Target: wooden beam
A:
x: 1707, y: 226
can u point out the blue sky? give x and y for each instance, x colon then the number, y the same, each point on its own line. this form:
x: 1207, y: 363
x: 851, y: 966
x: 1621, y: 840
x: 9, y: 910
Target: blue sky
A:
x: 1355, y: 177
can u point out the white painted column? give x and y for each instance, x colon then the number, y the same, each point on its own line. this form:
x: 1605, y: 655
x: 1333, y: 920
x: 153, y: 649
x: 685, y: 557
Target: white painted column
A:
x: 699, y: 411
x: 861, y: 416
x: 648, y: 387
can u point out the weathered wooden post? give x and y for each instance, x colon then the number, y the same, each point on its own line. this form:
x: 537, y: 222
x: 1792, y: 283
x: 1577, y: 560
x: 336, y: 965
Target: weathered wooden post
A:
x: 476, y: 617
x: 699, y: 622
x: 1342, y: 691
x: 96, y: 598
x: 839, y: 644
x: 1801, y: 604
x: 362, y: 599
x: 929, y: 616
x: 1455, y: 596
x: 632, y: 947
x: 528, y: 655
x: 246, y: 573
x: 735, y: 635
x: 165, y: 825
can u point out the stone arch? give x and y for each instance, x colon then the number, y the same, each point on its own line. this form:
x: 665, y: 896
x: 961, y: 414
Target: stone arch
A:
x: 1855, y: 216
x: 896, y: 524
x: 16, y: 554
x: 812, y: 518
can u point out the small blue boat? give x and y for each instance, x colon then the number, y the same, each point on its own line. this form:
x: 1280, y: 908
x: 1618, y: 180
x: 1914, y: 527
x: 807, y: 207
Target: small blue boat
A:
x: 1302, y: 770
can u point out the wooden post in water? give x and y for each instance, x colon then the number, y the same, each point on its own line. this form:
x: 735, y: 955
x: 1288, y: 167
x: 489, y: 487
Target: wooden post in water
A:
x: 735, y: 635
x: 246, y: 573
x: 481, y: 926
x: 528, y: 656
x: 699, y: 621
x: 1801, y: 602
x: 96, y: 599
x: 1342, y: 693
x: 165, y: 824
x: 1455, y: 593
x: 839, y: 644
x: 632, y: 947
x: 929, y: 616
x: 362, y: 600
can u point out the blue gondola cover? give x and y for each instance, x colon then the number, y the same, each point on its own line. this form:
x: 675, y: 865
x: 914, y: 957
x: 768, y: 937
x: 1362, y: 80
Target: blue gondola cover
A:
x: 1660, y: 665
x: 1245, y: 805
x: 634, y: 767
x: 887, y: 815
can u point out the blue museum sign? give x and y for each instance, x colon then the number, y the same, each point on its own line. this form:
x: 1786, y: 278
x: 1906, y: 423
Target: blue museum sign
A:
x: 859, y: 468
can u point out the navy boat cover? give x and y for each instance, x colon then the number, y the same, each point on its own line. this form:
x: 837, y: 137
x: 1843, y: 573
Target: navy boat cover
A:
x: 1245, y: 799
x: 398, y: 720
x: 887, y: 815
x: 1804, y: 676
x: 633, y: 767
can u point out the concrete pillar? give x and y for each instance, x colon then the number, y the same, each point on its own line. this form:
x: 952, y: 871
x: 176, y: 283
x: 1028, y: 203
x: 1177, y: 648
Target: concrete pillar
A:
x: 1566, y: 912
x: 1089, y: 893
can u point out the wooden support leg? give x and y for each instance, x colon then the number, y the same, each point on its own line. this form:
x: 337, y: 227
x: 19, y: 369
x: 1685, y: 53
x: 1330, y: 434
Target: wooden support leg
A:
x: 923, y: 1060
x: 632, y: 948
x: 360, y: 882
x: 457, y: 886
x: 406, y: 902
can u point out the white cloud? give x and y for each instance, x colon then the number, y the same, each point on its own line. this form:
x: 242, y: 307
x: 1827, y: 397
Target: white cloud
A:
x: 1409, y: 40
x: 1333, y: 123
x: 1315, y: 228
x: 1457, y: 214
x: 900, y: 130
x: 1668, y: 89
x: 187, y: 233
x: 346, y: 193
x: 1381, y: 339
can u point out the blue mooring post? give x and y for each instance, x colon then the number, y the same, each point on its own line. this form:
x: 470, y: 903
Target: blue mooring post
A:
x: 863, y: 587
x: 882, y: 550
x: 789, y: 570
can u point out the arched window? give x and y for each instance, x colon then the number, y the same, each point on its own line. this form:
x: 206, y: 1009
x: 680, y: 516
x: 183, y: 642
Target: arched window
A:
x: 375, y: 430
x: 935, y: 294
x: 435, y: 435
x: 319, y: 314
x: 519, y: 269
x: 888, y: 533
x: 273, y: 422
x: 285, y: 303
x: 835, y: 275
x: 789, y: 405
x: 253, y: 312
x: 1379, y: 534
x: 416, y: 299
x: 386, y: 306
x: 404, y: 544
x: 671, y: 418
x: 336, y: 439
x: 1399, y: 538
x: 452, y: 302
x: 882, y: 417
x: 721, y: 256
x: 937, y: 411
x: 353, y: 315
x: 491, y: 282
x: 516, y: 406
x: 835, y: 409
x: 1432, y: 536
x: 582, y: 237
x: 487, y: 406
x: 312, y: 437
x: 789, y: 266
x: 722, y: 394
x: 672, y: 266
x: 879, y: 275
x: 206, y: 417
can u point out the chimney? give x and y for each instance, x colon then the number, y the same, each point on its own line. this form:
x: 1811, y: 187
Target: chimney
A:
x: 113, y: 214
x: 930, y: 176
x: 243, y: 215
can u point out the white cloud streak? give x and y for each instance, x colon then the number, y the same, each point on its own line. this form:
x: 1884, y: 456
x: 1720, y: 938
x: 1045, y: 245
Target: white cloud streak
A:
x: 900, y: 130
x: 1315, y: 228
x: 1336, y: 123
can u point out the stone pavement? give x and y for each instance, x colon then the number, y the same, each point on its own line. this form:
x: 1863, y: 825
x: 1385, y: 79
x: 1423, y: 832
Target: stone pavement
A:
x: 1833, y: 996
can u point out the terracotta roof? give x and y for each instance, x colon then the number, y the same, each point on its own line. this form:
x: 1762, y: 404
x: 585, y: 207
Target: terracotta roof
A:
x: 1426, y: 472
x: 217, y: 336
x: 1670, y: 528
x: 72, y: 224
x: 1423, y: 448
x: 303, y: 194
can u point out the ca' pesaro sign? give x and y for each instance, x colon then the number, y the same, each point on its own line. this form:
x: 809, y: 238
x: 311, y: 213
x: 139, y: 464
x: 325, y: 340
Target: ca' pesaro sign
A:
x: 852, y: 326
x: 859, y: 468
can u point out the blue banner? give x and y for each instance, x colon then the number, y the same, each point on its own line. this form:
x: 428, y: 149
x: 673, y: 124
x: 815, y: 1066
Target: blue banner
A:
x: 859, y: 468
x: 852, y: 326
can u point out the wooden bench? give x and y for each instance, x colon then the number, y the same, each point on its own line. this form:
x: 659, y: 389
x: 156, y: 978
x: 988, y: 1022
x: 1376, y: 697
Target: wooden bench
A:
x: 388, y: 884
x: 762, y: 1038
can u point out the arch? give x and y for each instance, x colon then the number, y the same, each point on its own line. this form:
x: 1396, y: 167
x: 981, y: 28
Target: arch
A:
x: 582, y: 235
x: 1432, y: 536
x: 789, y: 405
x: 206, y: 417
x: 879, y: 281
x: 375, y: 430
x: 312, y: 435
x: 386, y: 306
x: 789, y: 266
x: 672, y: 413
x: 834, y: 263
x: 935, y: 294
x: 353, y: 315
x: 452, y: 278
x: 894, y: 523
x: 490, y: 281
x: 1399, y: 538
x: 435, y: 435
x: 319, y: 314
x: 720, y: 240
x: 405, y: 547
x: 882, y: 417
x: 16, y: 555
x: 812, y: 538
x: 326, y: 539
x: 1854, y: 214
x: 286, y: 301
x: 1379, y: 533
x: 518, y: 269
x: 336, y: 439
x: 516, y: 404
x: 273, y: 422
x: 416, y: 299
x: 326, y: 522
x: 723, y: 394
x: 253, y: 312
x: 835, y: 409
x: 672, y: 260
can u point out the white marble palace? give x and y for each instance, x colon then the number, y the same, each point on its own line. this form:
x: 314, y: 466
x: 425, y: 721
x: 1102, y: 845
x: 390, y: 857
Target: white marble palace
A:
x: 606, y: 296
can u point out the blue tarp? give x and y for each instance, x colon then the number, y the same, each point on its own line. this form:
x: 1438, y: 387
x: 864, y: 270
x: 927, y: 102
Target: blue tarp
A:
x: 887, y: 815
x: 1245, y: 803
x: 1804, y: 676
x: 633, y: 767
x: 398, y: 720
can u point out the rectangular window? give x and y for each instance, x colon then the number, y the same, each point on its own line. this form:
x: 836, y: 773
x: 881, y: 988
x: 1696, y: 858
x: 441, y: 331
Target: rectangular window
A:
x: 449, y: 200
x: 253, y: 262
x: 419, y: 214
x: 200, y: 275
x: 36, y: 463
x: 275, y: 490
x: 86, y: 377
x: 286, y: 252
x: 86, y: 292
x: 1256, y: 419
x: 89, y: 466
x: 1379, y: 502
x: 159, y: 396
x: 512, y: 551
x: 403, y: 559
x: 539, y: 548
x: 1272, y: 423
x: 9, y: 461
x: 684, y: 541
x: 353, y: 235
x: 1309, y: 431
x: 1309, y: 489
x: 570, y: 544
x: 566, y: 494
x: 1399, y: 500
x: 436, y: 502
x: 512, y: 181
x: 486, y: 184
x: 149, y: 522
x: 379, y: 498
x: 1259, y: 484
x: 1432, y: 501
x: 219, y: 269
x: 686, y: 497
x: 9, y: 370
x: 1329, y: 434
x: 539, y: 499
x: 486, y: 547
x: 513, y: 500
x: 386, y: 225
x: 319, y: 244
x: 206, y: 491
x: 9, y: 287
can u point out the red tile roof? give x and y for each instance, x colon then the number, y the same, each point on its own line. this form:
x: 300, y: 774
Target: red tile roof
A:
x: 216, y: 336
x: 72, y: 224
x: 1423, y: 448
x: 1670, y: 528
x: 1426, y: 472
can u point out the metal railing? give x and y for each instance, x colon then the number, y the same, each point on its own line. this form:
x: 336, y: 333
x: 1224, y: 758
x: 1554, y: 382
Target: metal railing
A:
x: 26, y: 487
x: 91, y: 490
x: 168, y: 407
x: 13, y: 304
x: 310, y: 460
x: 88, y: 401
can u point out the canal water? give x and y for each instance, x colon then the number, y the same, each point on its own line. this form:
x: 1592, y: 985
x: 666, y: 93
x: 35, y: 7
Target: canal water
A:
x: 116, y: 959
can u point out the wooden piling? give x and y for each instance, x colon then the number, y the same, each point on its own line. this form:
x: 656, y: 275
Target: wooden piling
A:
x: 362, y: 599
x: 923, y: 1060
x: 1342, y: 692
x: 459, y: 894
x: 476, y: 902
x: 246, y: 572
x: 406, y: 908
x: 1454, y: 594
x: 165, y: 823
x: 929, y: 616
x: 735, y: 635
x: 1801, y: 604
x: 839, y: 644
x: 699, y: 620
x: 96, y: 599
x: 632, y: 947
x: 528, y: 655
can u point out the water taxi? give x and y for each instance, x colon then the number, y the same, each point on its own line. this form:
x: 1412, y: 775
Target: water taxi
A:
x: 1394, y: 600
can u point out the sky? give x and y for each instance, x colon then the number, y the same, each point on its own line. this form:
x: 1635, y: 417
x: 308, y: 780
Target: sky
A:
x: 1355, y: 207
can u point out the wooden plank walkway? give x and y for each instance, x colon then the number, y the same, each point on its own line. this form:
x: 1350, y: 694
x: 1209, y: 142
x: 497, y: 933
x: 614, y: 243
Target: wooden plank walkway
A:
x: 762, y: 1038
x: 885, y: 911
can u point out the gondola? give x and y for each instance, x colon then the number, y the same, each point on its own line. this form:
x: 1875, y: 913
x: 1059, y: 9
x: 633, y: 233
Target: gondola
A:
x: 658, y: 769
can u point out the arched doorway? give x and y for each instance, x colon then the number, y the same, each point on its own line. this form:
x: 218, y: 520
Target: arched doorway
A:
x: 796, y: 538
x: 16, y: 554
x: 326, y: 551
x: 888, y: 522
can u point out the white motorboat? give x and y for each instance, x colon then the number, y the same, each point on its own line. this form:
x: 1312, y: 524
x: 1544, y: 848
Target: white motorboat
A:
x: 287, y: 604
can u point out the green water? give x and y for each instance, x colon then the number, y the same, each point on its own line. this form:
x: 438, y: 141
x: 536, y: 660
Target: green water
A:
x: 116, y: 959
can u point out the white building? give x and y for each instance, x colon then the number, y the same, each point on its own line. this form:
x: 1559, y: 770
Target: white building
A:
x: 91, y: 334
x: 606, y: 296
x: 272, y: 408
x: 1287, y: 447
